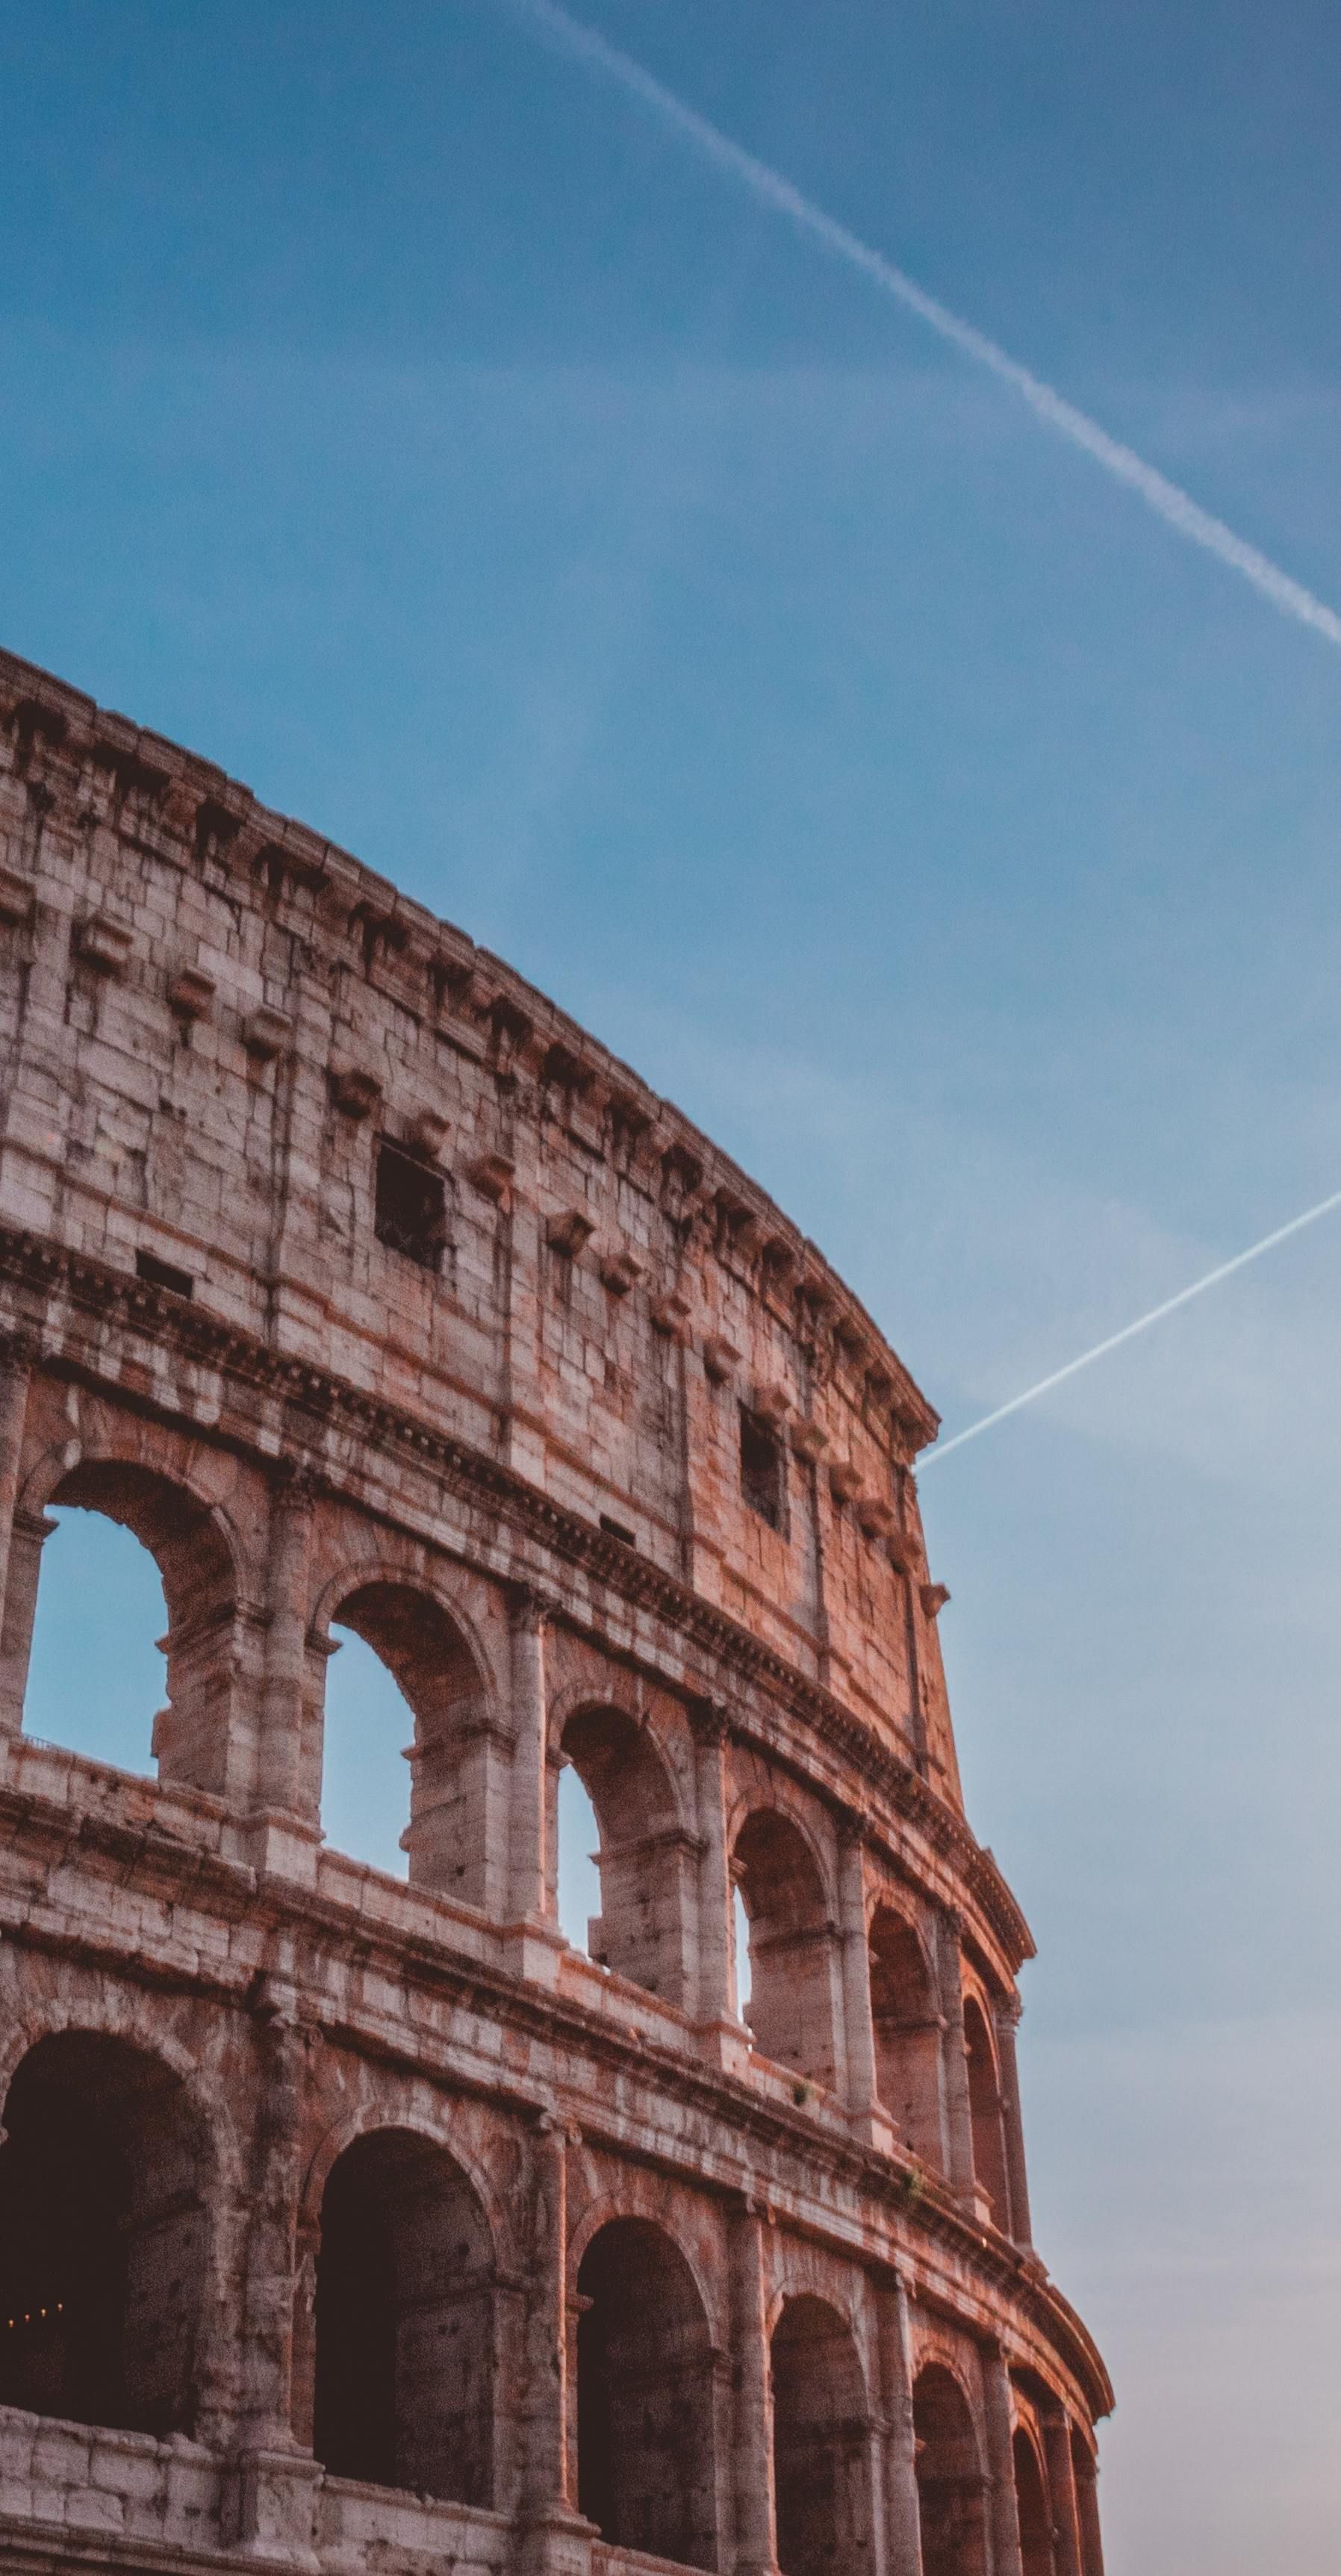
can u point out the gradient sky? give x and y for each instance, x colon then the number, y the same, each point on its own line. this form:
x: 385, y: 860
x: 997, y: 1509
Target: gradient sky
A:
x: 398, y: 417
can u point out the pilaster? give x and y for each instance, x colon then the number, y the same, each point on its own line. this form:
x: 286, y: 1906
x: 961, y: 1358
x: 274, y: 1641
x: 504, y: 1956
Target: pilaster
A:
x: 1062, y: 2495
x: 903, y: 2521
x: 1007, y: 2018
x: 1003, y: 2509
x: 285, y: 1821
x: 17, y: 1355
x: 752, y: 2450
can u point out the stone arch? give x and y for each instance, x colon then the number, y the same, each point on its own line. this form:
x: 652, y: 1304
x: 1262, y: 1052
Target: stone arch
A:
x: 105, y: 2235
x: 984, y: 2087
x: 821, y: 2442
x: 195, y: 1550
x: 1032, y: 2506
x: 793, y: 2009
x: 646, y: 1856
x: 646, y: 2473
x: 408, y: 2117
x: 907, y: 2024
x: 951, y: 2489
x: 405, y: 2324
x: 430, y: 1651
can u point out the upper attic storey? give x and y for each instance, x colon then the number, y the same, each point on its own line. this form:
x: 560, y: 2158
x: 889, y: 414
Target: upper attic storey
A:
x: 248, y: 1070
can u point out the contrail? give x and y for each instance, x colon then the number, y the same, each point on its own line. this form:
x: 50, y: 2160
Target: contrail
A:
x: 1223, y: 1270
x: 1166, y: 499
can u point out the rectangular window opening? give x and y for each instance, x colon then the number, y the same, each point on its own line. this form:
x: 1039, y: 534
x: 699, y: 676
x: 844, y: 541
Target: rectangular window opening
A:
x: 762, y: 1469
x: 163, y: 1274
x: 616, y: 1529
x: 411, y: 1205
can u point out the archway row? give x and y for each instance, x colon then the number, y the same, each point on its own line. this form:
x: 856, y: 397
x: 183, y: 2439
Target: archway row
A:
x: 406, y: 1683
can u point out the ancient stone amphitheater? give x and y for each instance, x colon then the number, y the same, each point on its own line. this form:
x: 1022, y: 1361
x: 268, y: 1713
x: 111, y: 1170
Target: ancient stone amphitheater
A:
x: 353, y: 2221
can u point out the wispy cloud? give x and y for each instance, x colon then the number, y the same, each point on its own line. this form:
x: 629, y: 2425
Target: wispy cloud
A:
x: 1168, y: 501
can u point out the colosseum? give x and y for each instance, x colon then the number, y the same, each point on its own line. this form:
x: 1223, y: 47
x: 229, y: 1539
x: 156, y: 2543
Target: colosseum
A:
x: 353, y: 2220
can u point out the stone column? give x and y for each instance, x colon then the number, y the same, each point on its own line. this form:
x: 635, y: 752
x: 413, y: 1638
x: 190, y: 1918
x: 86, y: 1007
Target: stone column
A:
x: 714, y: 1875
x: 954, y: 2061
x: 1091, y: 2539
x: 903, y: 2521
x: 16, y: 1366
x: 287, y: 1810
x: 29, y: 1532
x: 543, y: 2413
x: 274, y: 2482
x: 1003, y: 2508
x: 858, y: 2027
x: 530, y: 1897
x: 752, y: 2449
x: 1007, y: 2016
x: 1062, y: 2495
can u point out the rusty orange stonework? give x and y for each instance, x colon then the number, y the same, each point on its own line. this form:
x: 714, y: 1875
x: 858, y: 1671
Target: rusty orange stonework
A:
x: 352, y: 2223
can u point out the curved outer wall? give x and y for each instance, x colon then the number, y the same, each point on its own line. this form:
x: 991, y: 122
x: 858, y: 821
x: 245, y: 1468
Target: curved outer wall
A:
x: 357, y: 1280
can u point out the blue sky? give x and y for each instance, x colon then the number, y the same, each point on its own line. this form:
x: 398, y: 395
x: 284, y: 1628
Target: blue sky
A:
x: 405, y: 421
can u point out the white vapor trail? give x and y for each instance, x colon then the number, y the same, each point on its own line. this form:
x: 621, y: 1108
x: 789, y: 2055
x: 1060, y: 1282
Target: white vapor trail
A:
x: 772, y: 190
x: 1212, y: 1278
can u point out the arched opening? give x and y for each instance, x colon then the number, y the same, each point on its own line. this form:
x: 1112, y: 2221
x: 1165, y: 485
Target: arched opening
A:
x: 579, y: 1868
x: 94, y: 1680
x: 949, y: 2478
x: 1087, y: 2505
x: 740, y: 1953
x: 821, y: 2444
x: 434, y: 1675
x: 907, y: 2034
x: 366, y: 1736
x: 989, y: 2143
x: 1031, y: 2504
x: 643, y: 1857
x: 645, y: 2452
x: 96, y: 1670
x: 103, y: 2237
x: 405, y: 2322
x: 791, y: 1947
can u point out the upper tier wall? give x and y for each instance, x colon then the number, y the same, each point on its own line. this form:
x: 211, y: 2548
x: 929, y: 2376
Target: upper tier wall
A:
x: 214, y: 1023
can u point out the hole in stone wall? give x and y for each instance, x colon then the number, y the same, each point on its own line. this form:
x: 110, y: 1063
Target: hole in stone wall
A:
x: 820, y: 2444
x: 579, y: 1867
x: 906, y: 2027
x: 96, y: 1675
x: 365, y: 1781
x: 163, y: 1274
x: 404, y: 2322
x: 950, y: 2493
x: 410, y: 1213
x: 645, y: 2469
x: 741, y: 1926
x: 762, y: 1469
x: 1035, y: 2512
x: 102, y: 2237
x: 644, y: 1858
x: 790, y: 1946
x: 989, y: 2150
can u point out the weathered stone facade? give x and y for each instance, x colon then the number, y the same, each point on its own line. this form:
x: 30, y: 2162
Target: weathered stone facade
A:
x: 346, y: 2221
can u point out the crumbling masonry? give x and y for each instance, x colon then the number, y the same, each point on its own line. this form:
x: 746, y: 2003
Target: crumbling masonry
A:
x: 347, y: 2222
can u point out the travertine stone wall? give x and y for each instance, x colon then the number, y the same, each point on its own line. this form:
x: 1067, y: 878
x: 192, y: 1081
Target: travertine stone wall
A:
x: 361, y: 1284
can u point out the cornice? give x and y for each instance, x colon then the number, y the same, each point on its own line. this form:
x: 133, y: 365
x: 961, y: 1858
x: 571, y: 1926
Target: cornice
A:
x: 37, y: 1264
x: 187, y: 809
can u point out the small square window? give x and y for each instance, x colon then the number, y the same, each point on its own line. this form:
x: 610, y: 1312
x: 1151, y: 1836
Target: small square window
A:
x: 163, y: 1274
x: 763, y: 1479
x: 411, y: 1212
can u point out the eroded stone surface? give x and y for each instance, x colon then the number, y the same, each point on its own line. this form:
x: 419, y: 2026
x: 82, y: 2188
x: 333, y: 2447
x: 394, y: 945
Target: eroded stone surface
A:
x: 344, y: 2221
